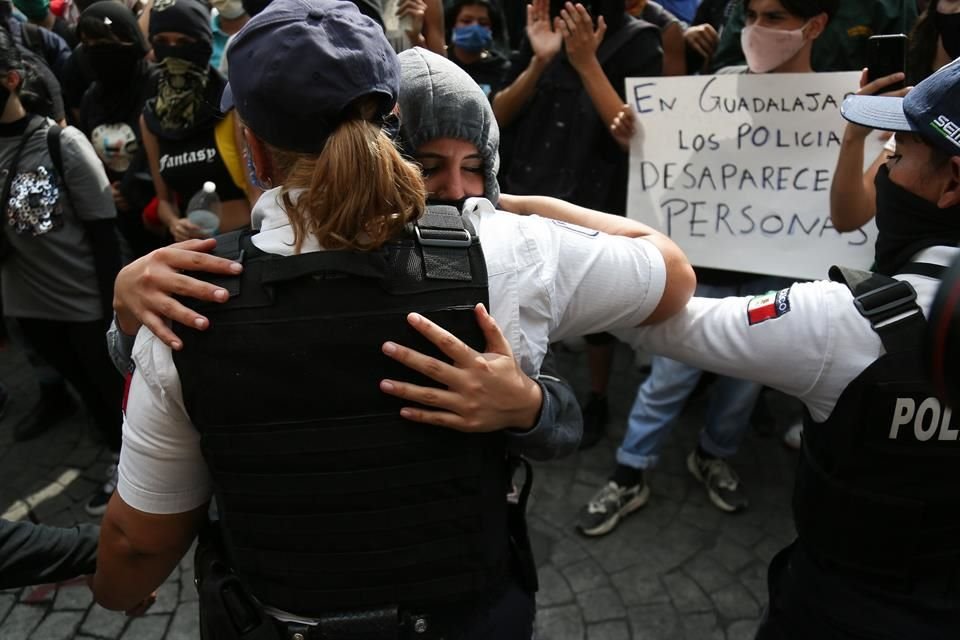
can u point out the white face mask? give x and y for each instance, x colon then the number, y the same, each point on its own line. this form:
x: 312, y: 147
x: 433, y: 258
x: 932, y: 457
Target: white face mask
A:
x: 229, y: 9
x: 766, y: 49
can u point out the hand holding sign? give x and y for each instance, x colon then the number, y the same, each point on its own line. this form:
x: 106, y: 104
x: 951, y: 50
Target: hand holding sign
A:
x: 624, y: 126
x: 736, y: 169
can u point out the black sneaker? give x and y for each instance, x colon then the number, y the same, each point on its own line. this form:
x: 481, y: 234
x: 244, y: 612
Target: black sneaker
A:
x: 595, y: 413
x: 609, y: 506
x: 721, y: 481
x: 97, y: 504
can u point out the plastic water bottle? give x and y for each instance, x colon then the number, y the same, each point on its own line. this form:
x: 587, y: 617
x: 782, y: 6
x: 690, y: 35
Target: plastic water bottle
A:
x: 203, y: 209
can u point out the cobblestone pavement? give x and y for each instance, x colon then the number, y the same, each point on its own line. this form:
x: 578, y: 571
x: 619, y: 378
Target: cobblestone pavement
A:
x: 676, y: 570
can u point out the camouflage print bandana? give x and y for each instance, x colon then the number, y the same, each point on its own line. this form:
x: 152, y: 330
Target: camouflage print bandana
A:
x: 180, y: 94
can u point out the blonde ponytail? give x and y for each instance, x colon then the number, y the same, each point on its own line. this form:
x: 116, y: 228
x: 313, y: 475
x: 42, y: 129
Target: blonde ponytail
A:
x: 358, y: 193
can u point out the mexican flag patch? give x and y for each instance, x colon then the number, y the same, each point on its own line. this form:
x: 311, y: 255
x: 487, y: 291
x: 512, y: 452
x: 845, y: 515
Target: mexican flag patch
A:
x: 770, y: 305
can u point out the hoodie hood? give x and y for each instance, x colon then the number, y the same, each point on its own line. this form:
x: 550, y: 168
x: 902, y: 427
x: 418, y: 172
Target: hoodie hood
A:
x: 438, y: 99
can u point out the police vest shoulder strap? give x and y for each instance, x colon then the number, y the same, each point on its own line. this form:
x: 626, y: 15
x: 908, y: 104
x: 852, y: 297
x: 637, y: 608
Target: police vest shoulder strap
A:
x: 445, y: 237
x: 889, y: 304
x: 230, y: 246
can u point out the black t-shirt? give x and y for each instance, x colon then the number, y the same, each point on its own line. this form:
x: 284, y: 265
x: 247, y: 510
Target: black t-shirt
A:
x: 187, y: 163
x: 559, y: 145
x: 189, y: 157
x: 489, y: 72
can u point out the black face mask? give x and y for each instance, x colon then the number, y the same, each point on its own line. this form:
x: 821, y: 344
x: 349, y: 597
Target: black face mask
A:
x: 196, y: 53
x: 948, y: 25
x: 908, y: 224
x: 113, y: 65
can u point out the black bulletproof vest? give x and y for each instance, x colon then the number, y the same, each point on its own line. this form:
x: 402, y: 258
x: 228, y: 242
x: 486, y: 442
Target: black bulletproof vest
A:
x: 876, y: 489
x: 328, y: 500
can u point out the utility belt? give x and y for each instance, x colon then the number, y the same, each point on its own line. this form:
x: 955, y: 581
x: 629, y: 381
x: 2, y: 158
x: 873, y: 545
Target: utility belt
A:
x: 229, y: 612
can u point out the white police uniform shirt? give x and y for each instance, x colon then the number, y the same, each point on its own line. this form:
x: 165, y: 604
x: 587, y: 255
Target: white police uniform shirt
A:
x: 808, y: 341
x: 547, y: 281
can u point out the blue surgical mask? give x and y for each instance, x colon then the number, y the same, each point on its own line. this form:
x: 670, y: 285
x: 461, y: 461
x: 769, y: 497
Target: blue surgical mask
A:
x: 474, y: 38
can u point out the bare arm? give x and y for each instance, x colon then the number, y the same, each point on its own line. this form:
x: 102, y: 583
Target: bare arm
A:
x: 674, y: 51
x: 546, y: 43
x: 433, y: 28
x: 581, y: 41
x: 167, y: 210
x: 557, y: 209
x: 852, y: 194
x: 138, y: 550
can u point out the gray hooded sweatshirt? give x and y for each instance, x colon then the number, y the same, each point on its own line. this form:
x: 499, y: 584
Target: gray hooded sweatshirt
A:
x: 438, y: 99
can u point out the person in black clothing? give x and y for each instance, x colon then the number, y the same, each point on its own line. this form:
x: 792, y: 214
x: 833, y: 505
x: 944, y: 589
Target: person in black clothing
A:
x: 565, y: 91
x: 110, y: 112
x: 472, y: 27
x: 179, y: 125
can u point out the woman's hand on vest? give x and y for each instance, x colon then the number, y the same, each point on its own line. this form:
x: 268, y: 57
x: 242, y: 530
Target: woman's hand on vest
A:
x: 144, y: 290
x: 484, y: 391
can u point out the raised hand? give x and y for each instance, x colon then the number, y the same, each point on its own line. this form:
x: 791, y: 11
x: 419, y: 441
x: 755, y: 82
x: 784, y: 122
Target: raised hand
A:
x: 875, y: 88
x: 544, y: 40
x: 580, y: 38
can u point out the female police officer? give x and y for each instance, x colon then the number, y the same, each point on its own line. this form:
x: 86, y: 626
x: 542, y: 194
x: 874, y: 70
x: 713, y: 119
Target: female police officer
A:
x: 330, y: 504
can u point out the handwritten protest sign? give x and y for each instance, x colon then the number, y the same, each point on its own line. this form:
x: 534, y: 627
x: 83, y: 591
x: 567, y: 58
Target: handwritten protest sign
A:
x: 737, y: 170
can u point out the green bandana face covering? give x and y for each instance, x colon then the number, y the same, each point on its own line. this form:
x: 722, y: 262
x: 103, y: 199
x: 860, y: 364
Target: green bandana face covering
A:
x: 180, y: 93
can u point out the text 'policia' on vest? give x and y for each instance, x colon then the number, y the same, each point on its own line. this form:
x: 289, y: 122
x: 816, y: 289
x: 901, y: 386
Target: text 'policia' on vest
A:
x: 874, y: 491
x: 328, y: 500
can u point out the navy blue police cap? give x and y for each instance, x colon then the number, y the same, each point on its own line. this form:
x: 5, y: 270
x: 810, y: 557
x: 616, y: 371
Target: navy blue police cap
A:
x: 931, y: 110
x: 295, y: 67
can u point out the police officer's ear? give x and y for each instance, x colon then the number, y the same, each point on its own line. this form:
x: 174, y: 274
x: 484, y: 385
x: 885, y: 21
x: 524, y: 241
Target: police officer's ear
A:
x: 951, y: 194
x: 261, y: 156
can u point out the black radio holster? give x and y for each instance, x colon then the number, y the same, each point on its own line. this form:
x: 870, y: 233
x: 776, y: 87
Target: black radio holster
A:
x: 227, y: 612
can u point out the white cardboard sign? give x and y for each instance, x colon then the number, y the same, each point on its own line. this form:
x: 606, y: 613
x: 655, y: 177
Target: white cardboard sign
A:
x: 736, y: 169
